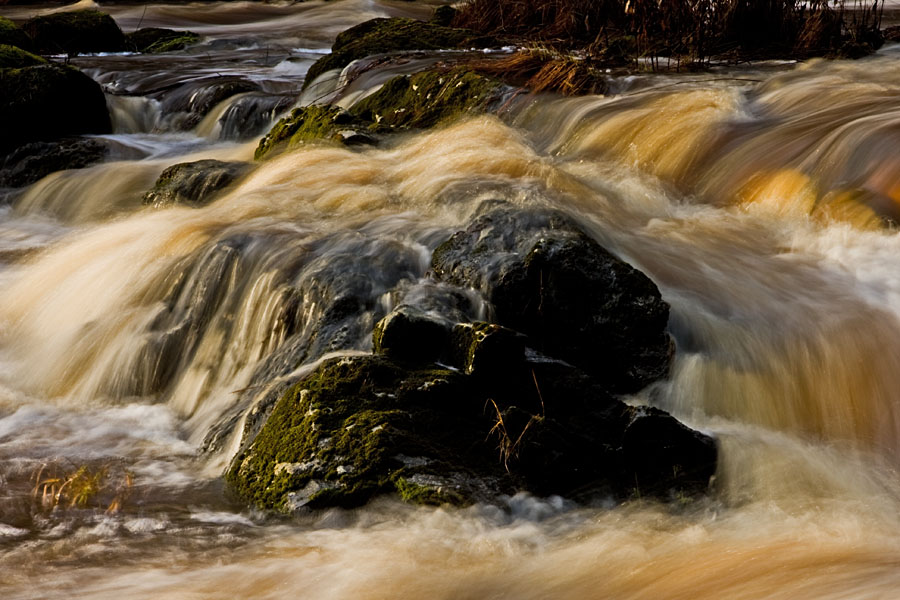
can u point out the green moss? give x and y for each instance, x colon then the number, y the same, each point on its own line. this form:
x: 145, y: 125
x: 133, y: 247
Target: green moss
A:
x: 13, y: 57
x: 430, y: 495
x: 307, y: 124
x: 13, y: 35
x: 154, y: 40
x: 337, y: 438
x: 380, y: 36
x: 426, y: 99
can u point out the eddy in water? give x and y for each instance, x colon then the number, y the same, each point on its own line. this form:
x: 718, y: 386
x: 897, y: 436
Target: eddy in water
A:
x: 402, y: 317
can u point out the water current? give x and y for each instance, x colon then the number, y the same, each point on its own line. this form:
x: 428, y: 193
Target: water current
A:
x: 134, y: 339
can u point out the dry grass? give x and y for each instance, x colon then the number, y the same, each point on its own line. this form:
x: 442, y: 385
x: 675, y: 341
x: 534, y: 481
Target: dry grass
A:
x: 81, y: 487
x: 544, y: 70
x: 693, y: 31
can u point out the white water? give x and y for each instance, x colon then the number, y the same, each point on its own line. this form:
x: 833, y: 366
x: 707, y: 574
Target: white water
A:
x: 750, y: 203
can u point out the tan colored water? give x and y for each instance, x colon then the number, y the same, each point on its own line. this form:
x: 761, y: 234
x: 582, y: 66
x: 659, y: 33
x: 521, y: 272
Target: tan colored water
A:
x: 752, y: 198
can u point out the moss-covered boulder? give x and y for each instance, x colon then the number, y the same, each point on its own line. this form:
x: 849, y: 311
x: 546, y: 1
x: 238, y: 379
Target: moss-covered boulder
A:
x: 12, y: 57
x: 380, y: 36
x: 34, y: 161
x: 316, y: 122
x: 13, y: 35
x: 361, y: 426
x: 76, y: 32
x: 155, y: 40
x: 193, y: 183
x: 573, y: 299
x: 47, y: 102
x: 427, y: 98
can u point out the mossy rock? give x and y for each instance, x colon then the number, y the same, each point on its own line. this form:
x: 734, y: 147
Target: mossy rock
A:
x: 13, y: 35
x: 12, y: 57
x: 361, y: 426
x: 156, y: 40
x: 34, y: 161
x: 76, y: 32
x: 316, y: 122
x: 38, y: 103
x: 427, y: 98
x: 194, y: 183
x: 380, y: 36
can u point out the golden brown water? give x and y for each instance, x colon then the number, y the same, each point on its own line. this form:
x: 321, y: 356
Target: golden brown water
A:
x: 749, y: 196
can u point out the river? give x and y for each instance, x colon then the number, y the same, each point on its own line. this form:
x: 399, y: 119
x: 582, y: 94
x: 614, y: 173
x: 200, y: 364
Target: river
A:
x: 754, y: 197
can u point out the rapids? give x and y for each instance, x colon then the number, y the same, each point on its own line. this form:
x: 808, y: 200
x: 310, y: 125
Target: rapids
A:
x: 137, y: 339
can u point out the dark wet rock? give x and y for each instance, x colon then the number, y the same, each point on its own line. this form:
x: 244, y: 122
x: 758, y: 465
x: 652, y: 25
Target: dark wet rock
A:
x: 443, y: 15
x: 201, y: 96
x: 193, y: 183
x: 155, y: 40
x: 486, y: 350
x: 574, y: 300
x: 13, y: 57
x: 13, y: 35
x: 34, y: 161
x: 891, y: 34
x: 360, y: 426
x: 75, y: 32
x: 313, y: 123
x: 40, y: 103
x: 410, y: 334
x: 427, y: 98
x: 251, y: 115
x: 380, y: 36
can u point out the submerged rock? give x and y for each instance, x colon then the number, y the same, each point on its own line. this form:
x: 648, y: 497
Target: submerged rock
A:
x: 155, y: 40
x: 574, y: 300
x: 12, y: 57
x: 75, y: 32
x: 47, y: 102
x: 193, y: 183
x: 199, y: 97
x: 32, y: 162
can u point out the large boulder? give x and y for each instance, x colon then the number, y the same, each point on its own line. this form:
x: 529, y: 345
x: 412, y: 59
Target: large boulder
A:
x: 380, y: 36
x: 574, y: 300
x: 360, y: 426
x: 193, y: 183
x: 47, y: 102
x: 75, y: 32
x: 34, y: 161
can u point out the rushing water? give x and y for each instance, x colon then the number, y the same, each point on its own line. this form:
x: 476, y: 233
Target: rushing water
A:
x: 135, y: 339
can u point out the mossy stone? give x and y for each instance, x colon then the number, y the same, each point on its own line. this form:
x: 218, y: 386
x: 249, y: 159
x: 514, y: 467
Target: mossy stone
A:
x: 307, y: 124
x: 37, y: 103
x: 76, y: 32
x: 156, y: 40
x: 193, y: 183
x: 14, y: 57
x: 427, y: 98
x: 13, y: 35
x: 380, y: 36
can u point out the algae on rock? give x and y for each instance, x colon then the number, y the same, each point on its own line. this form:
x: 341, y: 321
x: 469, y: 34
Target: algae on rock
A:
x: 380, y: 36
x: 13, y: 57
x: 311, y: 123
x: 427, y: 98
